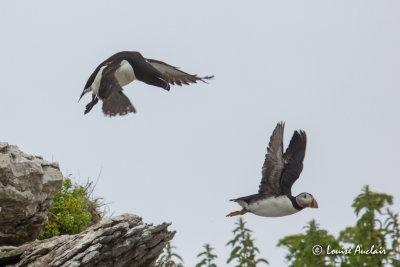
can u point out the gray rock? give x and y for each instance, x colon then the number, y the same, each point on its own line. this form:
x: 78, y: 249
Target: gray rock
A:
x: 120, y: 241
x: 27, y: 188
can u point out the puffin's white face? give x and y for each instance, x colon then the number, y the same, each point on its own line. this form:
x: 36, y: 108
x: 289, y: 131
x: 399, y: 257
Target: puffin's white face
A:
x: 306, y: 200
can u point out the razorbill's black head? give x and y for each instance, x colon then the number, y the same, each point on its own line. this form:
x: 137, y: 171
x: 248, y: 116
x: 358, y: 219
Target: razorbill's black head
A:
x: 279, y: 172
x: 111, y: 75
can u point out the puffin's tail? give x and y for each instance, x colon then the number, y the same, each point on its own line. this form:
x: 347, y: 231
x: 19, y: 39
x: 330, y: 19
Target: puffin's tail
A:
x: 117, y: 103
x: 241, y: 202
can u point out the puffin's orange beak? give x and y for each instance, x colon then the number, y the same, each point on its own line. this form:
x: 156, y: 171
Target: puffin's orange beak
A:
x: 314, y: 204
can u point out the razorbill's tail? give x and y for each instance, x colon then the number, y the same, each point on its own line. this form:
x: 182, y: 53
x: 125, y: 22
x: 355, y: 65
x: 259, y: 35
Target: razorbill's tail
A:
x: 117, y: 103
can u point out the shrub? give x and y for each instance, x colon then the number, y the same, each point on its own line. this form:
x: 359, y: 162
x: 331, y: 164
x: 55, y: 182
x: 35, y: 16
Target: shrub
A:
x: 70, y: 212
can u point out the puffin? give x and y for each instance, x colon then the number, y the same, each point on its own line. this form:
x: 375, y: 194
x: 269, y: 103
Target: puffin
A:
x: 279, y: 172
x: 124, y: 67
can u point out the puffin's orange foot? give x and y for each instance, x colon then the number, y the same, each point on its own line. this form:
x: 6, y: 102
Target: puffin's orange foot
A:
x: 235, y: 213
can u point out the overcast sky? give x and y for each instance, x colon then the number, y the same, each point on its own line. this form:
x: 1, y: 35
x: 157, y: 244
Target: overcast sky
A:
x: 330, y: 68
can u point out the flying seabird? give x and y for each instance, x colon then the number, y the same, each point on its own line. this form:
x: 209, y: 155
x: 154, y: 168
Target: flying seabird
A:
x: 111, y: 75
x: 279, y: 172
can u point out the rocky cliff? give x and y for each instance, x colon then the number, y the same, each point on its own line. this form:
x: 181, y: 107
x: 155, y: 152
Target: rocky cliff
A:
x: 27, y: 188
x: 120, y: 241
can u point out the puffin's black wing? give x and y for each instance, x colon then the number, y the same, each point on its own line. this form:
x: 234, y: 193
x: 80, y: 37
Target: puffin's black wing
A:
x: 293, y: 158
x: 115, y: 102
x: 273, y: 164
x: 175, y: 76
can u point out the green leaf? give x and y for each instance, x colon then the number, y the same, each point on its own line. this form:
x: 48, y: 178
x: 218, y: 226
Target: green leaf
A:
x: 243, y: 247
x: 169, y: 254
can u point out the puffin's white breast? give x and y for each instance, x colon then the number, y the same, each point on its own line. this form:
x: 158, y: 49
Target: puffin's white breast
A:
x: 125, y: 73
x: 272, y: 207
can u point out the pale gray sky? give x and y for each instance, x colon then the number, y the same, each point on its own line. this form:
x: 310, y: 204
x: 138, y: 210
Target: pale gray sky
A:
x: 330, y: 68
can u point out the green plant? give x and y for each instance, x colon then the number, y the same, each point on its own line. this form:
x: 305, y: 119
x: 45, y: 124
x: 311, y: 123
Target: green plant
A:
x: 373, y: 241
x: 301, y: 247
x: 392, y: 231
x: 369, y: 230
x: 208, y: 257
x: 168, y: 254
x: 243, y: 249
x: 69, y: 213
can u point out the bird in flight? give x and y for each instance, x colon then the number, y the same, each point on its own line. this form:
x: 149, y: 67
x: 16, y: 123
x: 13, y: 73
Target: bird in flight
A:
x: 111, y: 75
x: 279, y: 172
